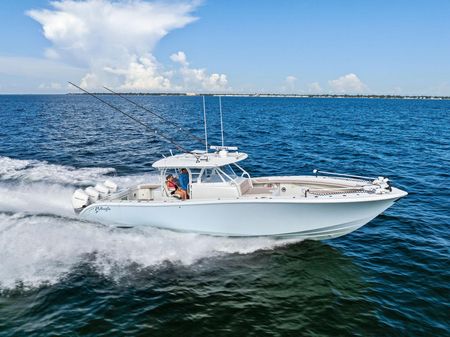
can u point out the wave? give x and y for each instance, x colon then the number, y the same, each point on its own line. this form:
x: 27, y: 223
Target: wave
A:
x: 37, y: 250
x: 35, y: 170
x: 36, y: 198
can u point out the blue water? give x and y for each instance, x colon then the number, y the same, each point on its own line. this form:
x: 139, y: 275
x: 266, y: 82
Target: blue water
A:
x: 60, y: 276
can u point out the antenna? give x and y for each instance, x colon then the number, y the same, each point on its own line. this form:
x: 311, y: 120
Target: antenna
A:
x: 221, y: 119
x: 206, y: 128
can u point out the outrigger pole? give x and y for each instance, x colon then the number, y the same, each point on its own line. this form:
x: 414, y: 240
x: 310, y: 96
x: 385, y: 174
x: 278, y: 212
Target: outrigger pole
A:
x: 206, y: 127
x: 186, y: 131
x: 169, y: 140
x: 221, y: 120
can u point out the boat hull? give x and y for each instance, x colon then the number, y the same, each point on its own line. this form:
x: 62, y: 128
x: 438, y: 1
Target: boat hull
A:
x: 240, y: 218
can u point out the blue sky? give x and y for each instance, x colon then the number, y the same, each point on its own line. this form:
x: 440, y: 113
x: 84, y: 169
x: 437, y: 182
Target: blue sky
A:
x: 303, y: 46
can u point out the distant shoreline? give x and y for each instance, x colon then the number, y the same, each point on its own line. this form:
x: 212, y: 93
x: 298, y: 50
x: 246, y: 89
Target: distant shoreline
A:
x: 411, y: 97
x: 422, y: 97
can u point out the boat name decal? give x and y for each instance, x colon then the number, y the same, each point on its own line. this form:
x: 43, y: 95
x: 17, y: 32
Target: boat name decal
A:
x: 101, y: 208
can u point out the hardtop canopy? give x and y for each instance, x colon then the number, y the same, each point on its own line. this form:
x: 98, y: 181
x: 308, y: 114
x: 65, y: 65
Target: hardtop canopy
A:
x: 200, y: 160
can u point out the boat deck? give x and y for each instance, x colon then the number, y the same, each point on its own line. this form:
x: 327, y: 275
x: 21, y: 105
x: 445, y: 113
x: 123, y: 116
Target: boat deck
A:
x: 278, y: 188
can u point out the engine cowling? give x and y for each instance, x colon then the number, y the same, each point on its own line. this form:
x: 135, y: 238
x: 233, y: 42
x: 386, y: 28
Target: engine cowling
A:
x: 93, y: 194
x: 80, y: 199
x: 112, y: 186
x: 102, y: 189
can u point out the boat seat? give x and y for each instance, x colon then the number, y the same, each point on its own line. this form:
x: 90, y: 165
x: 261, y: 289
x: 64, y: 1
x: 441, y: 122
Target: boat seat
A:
x: 244, y: 186
x: 149, y: 186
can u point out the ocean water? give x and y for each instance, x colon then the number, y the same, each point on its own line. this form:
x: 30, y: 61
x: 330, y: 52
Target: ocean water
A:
x: 64, y: 277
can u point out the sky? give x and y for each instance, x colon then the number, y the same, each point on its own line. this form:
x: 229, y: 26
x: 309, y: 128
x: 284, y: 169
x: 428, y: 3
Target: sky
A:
x: 253, y: 46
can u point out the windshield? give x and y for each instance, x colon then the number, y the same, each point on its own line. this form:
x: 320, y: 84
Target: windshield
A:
x: 211, y: 176
x: 228, y: 170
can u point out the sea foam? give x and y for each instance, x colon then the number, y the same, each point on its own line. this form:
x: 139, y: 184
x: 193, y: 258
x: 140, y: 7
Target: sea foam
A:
x: 36, y: 250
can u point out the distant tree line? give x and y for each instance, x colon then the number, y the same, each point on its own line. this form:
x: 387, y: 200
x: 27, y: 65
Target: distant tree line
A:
x: 275, y: 95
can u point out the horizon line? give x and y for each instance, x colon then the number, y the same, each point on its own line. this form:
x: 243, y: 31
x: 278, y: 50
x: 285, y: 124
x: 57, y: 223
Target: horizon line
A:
x: 193, y: 94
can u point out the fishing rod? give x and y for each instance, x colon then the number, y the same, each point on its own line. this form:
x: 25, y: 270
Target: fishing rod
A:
x: 186, y: 131
x: 179, y: 147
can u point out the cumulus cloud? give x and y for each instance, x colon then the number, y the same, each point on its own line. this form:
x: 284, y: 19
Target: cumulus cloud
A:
x: 314, y: 88
x: 180, y: 58
x: 141, y: 73
x: 289, y: 84
x: 347, y: 84
x: 198, y: 78
x: 114, y: 40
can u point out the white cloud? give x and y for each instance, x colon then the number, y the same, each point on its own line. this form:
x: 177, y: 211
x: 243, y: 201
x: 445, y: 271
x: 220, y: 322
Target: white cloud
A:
x: 347, y: 84
x: 180, y: 58
x: 314, y: 88
x: 291, y: 79
x: 289, y: 85
x: 113, y: 40
x: 198, y: 78
x: 141, y: 73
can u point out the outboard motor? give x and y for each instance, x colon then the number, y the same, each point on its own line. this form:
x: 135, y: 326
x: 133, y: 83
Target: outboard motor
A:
x: 80, y: 199
x: 111, y: 186
x: 93, y: 194
x: 102, y: 190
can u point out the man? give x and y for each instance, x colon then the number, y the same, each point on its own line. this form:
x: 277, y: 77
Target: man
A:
x: 183, y: 180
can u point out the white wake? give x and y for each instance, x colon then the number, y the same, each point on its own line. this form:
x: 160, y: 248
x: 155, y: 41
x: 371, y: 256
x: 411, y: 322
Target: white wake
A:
x: 41, y: 239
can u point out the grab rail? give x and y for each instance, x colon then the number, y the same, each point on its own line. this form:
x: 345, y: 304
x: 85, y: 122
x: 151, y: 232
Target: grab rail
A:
x: 316, y: 172
x: 244, y: 173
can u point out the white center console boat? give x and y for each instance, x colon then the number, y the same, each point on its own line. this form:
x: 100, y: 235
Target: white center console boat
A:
x: 226, y: 201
